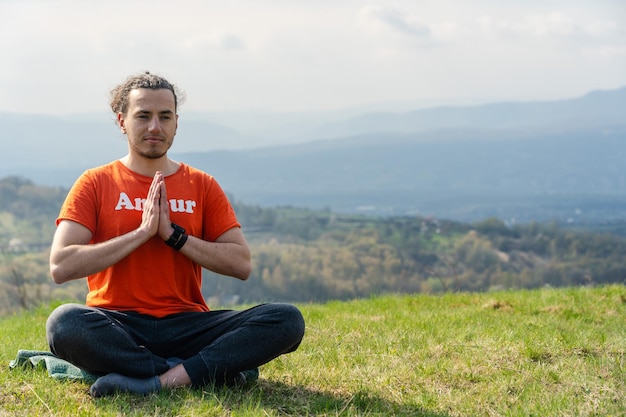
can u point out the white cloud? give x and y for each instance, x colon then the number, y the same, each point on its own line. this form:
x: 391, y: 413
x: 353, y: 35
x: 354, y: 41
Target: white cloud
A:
x: 202, y: 41
x: 390, y: 16
x: 553, y: 25
x: 607, y: 52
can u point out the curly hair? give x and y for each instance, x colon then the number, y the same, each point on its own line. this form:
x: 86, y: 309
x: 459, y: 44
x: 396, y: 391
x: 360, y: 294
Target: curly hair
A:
x: 119, y: 95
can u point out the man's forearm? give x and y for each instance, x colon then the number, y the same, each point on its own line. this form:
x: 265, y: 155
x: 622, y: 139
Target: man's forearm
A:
x: 225, y: 258
x: 80, y: 260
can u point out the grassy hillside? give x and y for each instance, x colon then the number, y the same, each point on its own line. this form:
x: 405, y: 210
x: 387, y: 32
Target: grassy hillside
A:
x: 556, y: 352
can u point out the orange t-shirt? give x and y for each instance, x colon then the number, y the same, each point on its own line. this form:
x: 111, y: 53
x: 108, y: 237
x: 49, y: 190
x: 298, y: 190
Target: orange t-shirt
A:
x: 155, y: 279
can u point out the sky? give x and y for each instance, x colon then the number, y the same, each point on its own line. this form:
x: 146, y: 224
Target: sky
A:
x: 64, y: 56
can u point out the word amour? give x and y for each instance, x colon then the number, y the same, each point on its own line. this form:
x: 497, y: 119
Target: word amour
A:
x: 176, y: 206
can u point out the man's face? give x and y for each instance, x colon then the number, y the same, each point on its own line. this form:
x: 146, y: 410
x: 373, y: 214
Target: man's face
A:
x: 150, y: 122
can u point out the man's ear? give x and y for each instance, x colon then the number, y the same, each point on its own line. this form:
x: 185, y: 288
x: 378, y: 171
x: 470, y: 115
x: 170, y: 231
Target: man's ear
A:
x: 121, y: 122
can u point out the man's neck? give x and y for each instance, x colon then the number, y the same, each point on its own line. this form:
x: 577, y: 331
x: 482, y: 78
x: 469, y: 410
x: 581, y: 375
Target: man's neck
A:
x: 149, y: 166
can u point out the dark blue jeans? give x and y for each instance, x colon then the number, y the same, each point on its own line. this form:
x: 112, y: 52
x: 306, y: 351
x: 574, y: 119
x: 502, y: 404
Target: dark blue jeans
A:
x: 213, y: 345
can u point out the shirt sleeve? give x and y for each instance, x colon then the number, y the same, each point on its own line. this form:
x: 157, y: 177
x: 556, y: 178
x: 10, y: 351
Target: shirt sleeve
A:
x: 80, y: 204
x: 219, y: 213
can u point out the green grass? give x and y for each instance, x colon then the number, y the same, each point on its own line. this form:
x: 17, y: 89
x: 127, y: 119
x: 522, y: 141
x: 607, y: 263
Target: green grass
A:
x: 551, y: 352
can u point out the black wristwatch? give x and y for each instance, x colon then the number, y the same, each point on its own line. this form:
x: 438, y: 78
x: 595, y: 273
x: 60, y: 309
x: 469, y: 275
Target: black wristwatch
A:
x: 178, y: 238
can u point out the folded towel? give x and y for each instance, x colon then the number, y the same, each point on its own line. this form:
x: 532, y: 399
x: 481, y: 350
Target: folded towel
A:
x: 57, y: 368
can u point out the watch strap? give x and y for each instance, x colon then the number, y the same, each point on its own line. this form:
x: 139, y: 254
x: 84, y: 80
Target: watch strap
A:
x: 178, y: 237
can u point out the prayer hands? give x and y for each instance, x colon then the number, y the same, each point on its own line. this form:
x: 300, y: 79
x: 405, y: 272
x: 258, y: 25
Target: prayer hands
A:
x: 156, y: 212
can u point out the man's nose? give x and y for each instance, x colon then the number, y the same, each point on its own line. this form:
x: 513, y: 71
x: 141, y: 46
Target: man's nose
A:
x: 155, y: 125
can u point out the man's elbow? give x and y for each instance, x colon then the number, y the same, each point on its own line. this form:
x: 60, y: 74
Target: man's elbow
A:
x: 58, y: 274
x: 244, y: 271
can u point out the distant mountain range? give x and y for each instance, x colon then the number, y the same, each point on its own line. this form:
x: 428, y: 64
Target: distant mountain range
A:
x: 526, y: 161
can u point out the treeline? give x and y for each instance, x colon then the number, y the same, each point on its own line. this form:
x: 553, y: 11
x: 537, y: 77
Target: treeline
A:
x: 302, y: 255
x: 316, y: 256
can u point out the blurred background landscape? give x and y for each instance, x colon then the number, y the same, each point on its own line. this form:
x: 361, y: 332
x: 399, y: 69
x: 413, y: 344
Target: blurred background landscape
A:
x: 518, y: 161
x: 478, y: 198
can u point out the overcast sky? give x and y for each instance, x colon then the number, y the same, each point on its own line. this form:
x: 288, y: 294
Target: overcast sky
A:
x: 64, y: 56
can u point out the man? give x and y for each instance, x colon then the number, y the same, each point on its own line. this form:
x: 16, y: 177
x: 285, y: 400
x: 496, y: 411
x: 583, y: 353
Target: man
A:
x: 141, y: 229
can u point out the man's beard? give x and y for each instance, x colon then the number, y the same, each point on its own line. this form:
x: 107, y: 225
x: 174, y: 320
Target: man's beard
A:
x: 152, y: 152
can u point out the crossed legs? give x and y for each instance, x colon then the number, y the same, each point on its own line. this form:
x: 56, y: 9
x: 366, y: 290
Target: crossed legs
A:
x: 134, y: 352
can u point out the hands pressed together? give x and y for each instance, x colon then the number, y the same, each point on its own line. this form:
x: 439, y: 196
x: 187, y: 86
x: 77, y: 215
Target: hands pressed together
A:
x: 156, y: 212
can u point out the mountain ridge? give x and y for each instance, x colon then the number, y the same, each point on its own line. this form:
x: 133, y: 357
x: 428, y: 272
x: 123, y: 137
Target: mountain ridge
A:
x: 416, y: 168
x: 444, y: 160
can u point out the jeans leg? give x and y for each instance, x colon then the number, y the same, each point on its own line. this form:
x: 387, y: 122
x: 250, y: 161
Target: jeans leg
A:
x: 246, y: 339
x: 96, y: 342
